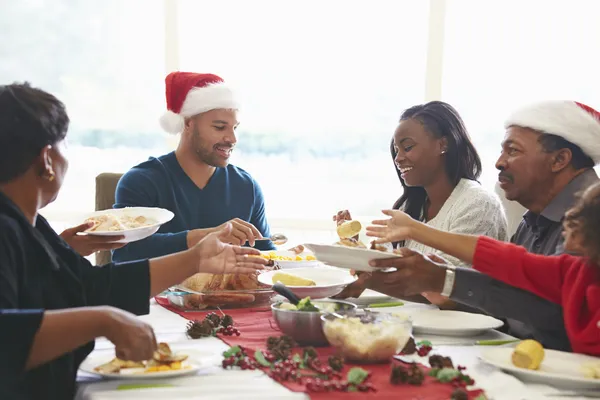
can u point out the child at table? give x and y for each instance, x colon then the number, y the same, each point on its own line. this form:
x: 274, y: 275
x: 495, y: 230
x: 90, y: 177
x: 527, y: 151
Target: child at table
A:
x: 572, y: 281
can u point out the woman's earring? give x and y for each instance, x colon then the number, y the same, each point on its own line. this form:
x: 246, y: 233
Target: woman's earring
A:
x: 443, y: 152
x: 50, y: 176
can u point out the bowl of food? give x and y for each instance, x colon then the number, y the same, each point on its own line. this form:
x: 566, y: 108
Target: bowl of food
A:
x: 366, y: 336
x: 316, y: 283
x: 303, y: 322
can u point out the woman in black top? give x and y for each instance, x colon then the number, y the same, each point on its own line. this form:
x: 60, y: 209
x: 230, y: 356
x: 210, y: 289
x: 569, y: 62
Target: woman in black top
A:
x: 40, y: 271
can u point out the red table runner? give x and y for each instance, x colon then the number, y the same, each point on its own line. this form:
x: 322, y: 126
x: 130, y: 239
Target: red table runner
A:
x: 257, y: 324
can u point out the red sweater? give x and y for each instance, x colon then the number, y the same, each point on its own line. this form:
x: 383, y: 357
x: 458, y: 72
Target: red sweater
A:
x: 565, y: 279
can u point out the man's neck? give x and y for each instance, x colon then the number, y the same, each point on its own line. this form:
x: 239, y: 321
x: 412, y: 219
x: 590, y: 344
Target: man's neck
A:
x: 544, y: 197
x: 198, y: 171
x: 25, y: 196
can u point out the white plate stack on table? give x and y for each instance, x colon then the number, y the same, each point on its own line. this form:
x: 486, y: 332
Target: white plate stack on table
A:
x: 134, y: 223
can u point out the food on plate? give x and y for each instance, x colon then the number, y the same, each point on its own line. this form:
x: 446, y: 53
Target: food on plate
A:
x: 591, y: 370
x: 115, y: 222
x: 351, y: 242
x: 348, y: 229
x: 307, y: 305
x: 298, y: 249
x: 273, y: 256
x: 528, y: 354
x: 292, y: 280
x: 163, y: 360
x: 224, y: 287
x: 370, y: 337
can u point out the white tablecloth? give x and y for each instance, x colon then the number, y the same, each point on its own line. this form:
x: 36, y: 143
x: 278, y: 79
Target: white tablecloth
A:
x: 212, y: 382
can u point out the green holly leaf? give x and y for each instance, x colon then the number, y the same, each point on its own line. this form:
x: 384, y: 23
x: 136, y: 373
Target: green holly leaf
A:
x: 481, y: 397
x: 260, y: 358
x: 357, y: 375
x: 424, y: 343
x: 445, y: 375
x: 232, y: 351
x: 434, y: 372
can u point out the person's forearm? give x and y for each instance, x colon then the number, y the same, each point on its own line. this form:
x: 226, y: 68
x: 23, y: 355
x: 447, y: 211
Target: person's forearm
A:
x: 196, y: 235
x: 459, y: 246
x: 157, y: 245
x: 62, y: 331
x: 171, y: 270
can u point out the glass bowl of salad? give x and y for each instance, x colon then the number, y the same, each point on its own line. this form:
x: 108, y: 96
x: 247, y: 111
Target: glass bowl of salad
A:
x: 303, y: 322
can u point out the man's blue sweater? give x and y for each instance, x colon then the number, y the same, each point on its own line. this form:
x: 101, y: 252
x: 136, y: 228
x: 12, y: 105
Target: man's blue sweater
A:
x: 161, y: 182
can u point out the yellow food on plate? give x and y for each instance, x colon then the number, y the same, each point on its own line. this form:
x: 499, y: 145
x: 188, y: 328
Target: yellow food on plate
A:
x: 292, y: 280
x: 272, y: 255
x: 163, y: 360
x: 591, y: 370
x: 528, y: 354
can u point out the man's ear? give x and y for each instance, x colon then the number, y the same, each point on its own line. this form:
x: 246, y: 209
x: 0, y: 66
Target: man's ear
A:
x: 561, y: 159
x: 44, y: 161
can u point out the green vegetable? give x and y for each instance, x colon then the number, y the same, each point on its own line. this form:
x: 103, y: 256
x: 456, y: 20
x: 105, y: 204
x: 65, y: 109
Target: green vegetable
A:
x: 356, y: 376
x: 306, y: 305
x: 232, y: 351
x: 445, y: 375
x: 260, y: 358
x: 381, y: 305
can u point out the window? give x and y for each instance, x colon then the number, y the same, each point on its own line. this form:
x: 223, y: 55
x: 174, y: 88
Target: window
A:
x: 500, y: 54
x: 323, y: 84
x: 105, y: 61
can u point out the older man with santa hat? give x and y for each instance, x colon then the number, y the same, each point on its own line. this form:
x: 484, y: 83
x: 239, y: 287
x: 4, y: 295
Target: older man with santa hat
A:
x: 548, y: 156
x: 196, y: 181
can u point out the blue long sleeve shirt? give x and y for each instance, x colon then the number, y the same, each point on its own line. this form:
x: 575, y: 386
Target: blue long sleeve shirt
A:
x: 161, y: 182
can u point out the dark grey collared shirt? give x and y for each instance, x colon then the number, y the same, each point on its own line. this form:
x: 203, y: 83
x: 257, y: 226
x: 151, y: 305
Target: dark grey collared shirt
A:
x: 528, y: 315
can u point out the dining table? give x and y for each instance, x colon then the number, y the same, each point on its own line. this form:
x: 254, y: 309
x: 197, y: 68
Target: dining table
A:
x: 213, y: 382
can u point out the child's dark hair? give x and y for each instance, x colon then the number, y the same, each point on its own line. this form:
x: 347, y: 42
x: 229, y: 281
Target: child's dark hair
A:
x: 584, y: 219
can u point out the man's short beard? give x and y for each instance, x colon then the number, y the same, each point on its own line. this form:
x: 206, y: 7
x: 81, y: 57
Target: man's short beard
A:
x: 207, y: 156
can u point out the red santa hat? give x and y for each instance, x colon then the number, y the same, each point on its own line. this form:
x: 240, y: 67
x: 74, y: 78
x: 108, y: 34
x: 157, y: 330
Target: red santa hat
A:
x: 189, y: 94
x: 573, y: 121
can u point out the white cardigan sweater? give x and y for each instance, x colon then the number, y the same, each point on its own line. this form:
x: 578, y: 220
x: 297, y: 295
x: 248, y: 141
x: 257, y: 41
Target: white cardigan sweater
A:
x: 470, y: 210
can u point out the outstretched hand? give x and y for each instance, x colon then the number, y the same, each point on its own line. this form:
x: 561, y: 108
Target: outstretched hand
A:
x: 217, y: 256
x: 394, y: 229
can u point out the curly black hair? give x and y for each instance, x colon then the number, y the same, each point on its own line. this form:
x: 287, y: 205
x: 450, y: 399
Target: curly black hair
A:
x: 30, y: 119
x: 584, y: 219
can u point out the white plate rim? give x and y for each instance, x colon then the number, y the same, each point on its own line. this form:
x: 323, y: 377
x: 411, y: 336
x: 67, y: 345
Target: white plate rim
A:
x: 89, y: 369
x: 169, y: 215
x: 485, y: 356
x: 494, y: 323
x: 334, y: 285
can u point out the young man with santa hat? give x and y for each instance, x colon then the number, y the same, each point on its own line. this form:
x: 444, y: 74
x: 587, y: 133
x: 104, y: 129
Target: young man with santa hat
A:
x: 196, y: 181
x: 548, y: 155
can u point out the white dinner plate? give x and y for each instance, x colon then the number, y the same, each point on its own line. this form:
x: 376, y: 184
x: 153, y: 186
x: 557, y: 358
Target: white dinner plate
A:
x: 330, y: 281
x: 160, y: 215
x: 348, y: 257
x: 288, y: 264
x: 95, y: 360
x: 559, y: 369
x: 452, y: 323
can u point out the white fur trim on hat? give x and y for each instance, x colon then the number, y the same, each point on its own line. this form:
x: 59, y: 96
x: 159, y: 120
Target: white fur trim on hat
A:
x: 562, y: 118
x: 198, y: 101
x: 172, y: 123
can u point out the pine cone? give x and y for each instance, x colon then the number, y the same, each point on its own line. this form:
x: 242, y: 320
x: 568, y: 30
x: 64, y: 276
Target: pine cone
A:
x: 415, y: 375
x: 214, y: 319
x: 399, y: 375
x: 226, y: 321
x: 437, y: 361
x: 197, y: 329
x: 459, y: 394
